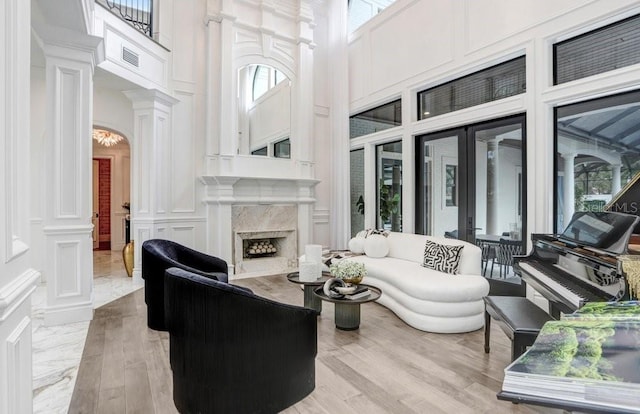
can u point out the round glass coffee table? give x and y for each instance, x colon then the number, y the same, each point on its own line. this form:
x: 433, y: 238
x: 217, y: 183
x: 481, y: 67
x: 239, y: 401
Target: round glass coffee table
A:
x: 347, y: 313
x: 310, y: 300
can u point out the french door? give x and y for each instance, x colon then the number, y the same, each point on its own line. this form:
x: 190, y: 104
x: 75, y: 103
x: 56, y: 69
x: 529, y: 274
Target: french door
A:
x: 471, y: 181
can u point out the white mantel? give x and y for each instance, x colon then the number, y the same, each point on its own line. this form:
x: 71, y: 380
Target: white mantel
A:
x: 222, y: 192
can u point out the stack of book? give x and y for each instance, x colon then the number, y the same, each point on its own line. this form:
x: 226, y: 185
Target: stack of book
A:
x: 359, y: 293
x: 591, y: 357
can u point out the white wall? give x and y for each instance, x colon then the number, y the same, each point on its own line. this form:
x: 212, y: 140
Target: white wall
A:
x: 447, y: 39
x: 17, y: 275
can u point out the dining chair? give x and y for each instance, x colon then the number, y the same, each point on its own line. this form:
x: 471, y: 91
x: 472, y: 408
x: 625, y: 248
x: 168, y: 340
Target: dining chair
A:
x: 507, y: 248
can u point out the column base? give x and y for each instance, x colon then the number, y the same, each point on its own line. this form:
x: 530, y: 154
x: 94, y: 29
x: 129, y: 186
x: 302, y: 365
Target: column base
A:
x: 65, y: 315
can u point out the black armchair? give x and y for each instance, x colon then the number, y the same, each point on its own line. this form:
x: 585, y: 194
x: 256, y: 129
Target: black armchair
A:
x: 234, y: 352
x: 157, y: 256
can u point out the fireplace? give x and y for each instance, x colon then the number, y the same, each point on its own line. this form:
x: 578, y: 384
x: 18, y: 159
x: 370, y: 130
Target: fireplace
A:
x: 252, y: 249
x: 265, y: 239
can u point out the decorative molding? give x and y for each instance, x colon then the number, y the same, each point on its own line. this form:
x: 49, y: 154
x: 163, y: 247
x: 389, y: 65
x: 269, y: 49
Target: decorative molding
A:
x: 17, y: 291
x: 321, y: 216
x: 18, y: 374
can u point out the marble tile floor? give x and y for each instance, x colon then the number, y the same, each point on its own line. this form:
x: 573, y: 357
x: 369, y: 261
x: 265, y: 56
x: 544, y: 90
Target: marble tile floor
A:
x: 57, y: 350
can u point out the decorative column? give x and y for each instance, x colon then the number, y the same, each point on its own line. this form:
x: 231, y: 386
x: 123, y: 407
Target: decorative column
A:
x: 68, y: 185
x: 151, y: 172
x: 493, y: 186
x: 339, y: 116
x: 568, y: 184
x: 615, y: 179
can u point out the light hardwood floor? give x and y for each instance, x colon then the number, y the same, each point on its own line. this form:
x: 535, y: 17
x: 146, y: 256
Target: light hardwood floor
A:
x: 384, y: 367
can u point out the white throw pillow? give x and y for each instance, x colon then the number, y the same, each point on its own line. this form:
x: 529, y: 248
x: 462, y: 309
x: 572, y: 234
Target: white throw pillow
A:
x: 356, y: 245
x: 376, y: 246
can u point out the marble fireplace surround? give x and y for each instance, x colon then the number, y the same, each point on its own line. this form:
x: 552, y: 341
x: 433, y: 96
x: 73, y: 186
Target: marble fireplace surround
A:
x: 246, y: 204
x: 278, y: 222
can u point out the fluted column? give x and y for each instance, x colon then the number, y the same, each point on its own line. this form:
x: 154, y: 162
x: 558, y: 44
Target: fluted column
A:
x: 339, y: 116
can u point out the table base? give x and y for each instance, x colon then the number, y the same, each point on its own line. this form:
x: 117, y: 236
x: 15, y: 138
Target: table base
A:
x: 347, y: 316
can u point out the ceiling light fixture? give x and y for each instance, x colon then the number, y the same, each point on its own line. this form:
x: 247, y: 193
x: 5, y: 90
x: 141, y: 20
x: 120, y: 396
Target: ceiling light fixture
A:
x: 106, y: 138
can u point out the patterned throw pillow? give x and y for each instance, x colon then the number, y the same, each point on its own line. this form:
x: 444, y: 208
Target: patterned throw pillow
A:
x: 441, y: 257
x: 370, y: 232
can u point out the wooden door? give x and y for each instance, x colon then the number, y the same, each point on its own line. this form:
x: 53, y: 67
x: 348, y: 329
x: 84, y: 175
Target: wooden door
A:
x: 95, y: 219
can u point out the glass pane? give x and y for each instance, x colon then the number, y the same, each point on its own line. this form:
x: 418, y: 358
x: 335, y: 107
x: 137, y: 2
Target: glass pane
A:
x: 497, y: 82
x: 499, y: 183
x: 376, y: 119
x: 499, y: 189
x: 357, y: 191
x: 441, y: 190
x: 597, y: 153
x: 611, y: 47
x: 260, y: 151
x: 389, y: 163
x: 282, y: 149
x: 260, y: 81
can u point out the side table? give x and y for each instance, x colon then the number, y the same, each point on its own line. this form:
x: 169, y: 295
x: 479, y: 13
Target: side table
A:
x: 310, y: 300
x: 347, y: 311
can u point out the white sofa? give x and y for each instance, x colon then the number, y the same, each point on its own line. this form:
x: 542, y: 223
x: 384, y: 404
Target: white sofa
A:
x: 427, y: 299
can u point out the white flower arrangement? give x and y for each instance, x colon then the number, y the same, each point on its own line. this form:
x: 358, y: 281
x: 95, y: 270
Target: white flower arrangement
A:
x: 347, y: 269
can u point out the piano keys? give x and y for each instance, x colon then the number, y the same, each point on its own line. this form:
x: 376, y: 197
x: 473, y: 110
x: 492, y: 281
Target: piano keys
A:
x: 579, y: 265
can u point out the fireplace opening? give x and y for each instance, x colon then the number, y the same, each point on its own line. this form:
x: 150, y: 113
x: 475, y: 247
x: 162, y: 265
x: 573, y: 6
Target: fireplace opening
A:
x: 253, y: 248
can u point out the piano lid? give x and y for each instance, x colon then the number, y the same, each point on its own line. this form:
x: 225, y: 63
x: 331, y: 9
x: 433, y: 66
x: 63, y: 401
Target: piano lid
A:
x: 606, y: 231
x: 627, y: 200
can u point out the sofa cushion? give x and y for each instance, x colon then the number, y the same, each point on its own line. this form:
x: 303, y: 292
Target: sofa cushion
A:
x: 376, y: 245
x: 441, y: 257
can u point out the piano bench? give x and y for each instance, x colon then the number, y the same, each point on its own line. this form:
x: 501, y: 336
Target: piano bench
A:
x: 518, y: 317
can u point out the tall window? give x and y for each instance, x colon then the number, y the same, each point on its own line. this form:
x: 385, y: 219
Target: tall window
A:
x: 389, y: 174
x: 497, y: 82
x: 377, y: 119
x: 357, y: 191
x: 597, y: 152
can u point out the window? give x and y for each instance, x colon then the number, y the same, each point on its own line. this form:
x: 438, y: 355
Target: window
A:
x: 265, y: 78
x: 389, y: 174
x: 357, y: 191
x: 497, y: 82
x: 282, y: 149
x: 597, y: 152
x: 260, y: 151
x: 361, y: 11
x: 611, y: 47
x: 377, y: 119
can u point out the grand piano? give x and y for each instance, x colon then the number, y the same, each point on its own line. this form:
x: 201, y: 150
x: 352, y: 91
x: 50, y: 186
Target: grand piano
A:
x: 580, y: 265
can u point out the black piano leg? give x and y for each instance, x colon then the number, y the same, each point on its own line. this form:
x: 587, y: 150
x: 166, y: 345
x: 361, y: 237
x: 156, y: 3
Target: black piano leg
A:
x: 487, y: 331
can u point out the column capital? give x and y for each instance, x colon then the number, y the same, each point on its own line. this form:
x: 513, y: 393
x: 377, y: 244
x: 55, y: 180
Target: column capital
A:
x: 142, y: 98
x: 66, y: 44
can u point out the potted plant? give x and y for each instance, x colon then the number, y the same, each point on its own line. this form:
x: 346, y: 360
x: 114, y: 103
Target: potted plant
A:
x: 348, y: 271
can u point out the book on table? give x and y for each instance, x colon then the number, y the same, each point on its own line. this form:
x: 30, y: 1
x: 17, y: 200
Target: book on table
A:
x: 359, y: 293
x: 594, y: 362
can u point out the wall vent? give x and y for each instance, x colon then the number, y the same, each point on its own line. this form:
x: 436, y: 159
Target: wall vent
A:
x: 130, y: 56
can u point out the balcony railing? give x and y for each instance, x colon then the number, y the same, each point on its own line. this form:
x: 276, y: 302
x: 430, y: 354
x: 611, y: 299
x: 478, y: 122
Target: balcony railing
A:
x: 138, y: 13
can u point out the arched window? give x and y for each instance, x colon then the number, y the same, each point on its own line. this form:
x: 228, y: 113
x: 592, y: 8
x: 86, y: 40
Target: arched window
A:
x: 265, y: 78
